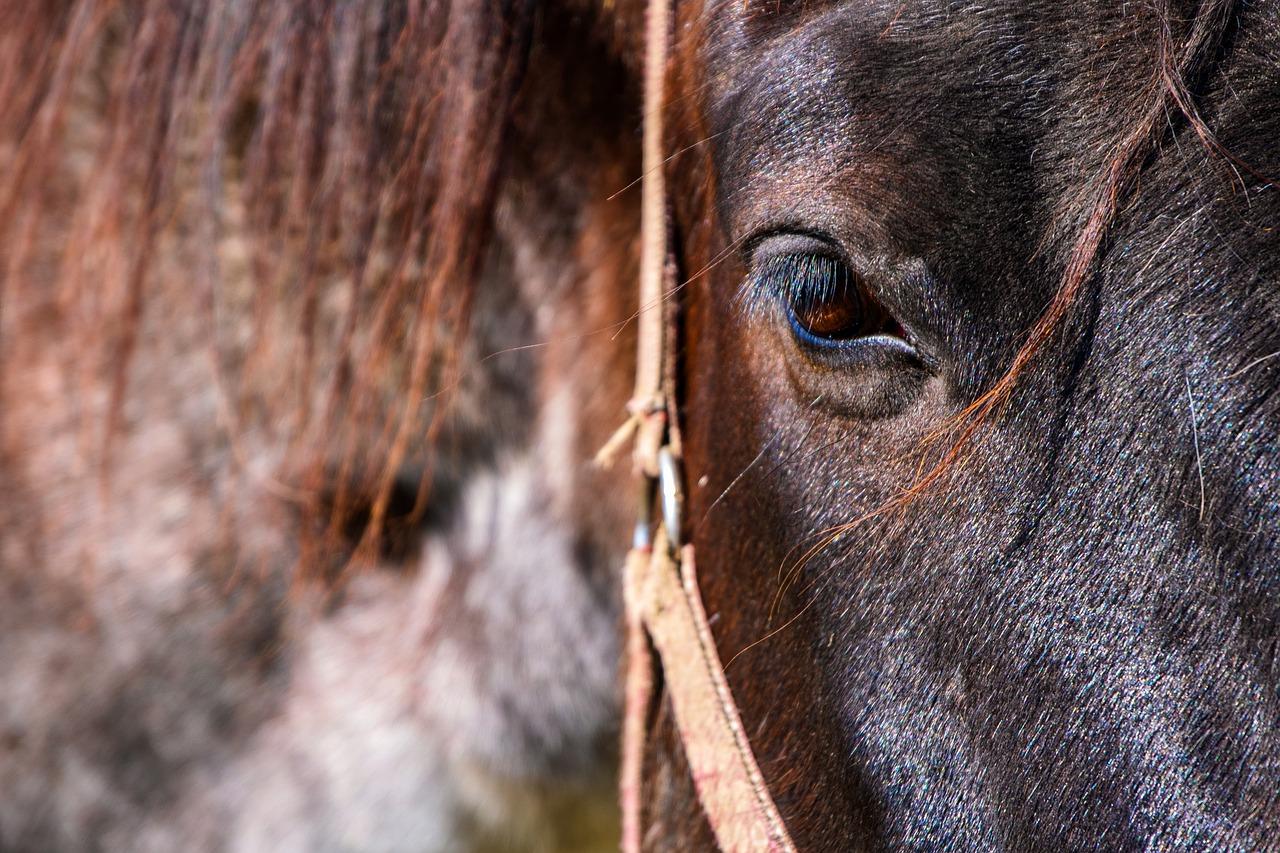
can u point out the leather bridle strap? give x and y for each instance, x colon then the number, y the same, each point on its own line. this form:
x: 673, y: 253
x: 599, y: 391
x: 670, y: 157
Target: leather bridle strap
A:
x: 662, y: 593
x: 663, y: 605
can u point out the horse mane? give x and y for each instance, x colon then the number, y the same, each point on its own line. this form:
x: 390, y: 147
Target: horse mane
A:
x: 1180, y: 66
x: 363, y: 142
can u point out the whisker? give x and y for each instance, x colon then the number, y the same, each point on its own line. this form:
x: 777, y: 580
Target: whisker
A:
x: 665, y: 161
x: 1251, y: 365
x: 763, y: 450
x: 1195, y: 438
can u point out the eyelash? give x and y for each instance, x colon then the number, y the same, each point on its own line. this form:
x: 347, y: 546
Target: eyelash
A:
x: 794, y: 279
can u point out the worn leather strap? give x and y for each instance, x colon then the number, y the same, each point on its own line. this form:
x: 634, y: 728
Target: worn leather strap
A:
x: 638, y: 697
x: 663, y: 606
x: 725, y: 774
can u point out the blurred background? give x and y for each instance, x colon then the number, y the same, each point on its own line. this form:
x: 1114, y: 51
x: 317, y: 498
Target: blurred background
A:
x: 301, y: 548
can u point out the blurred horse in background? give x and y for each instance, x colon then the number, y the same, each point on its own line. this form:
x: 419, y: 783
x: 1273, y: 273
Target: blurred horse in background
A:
x: 291, y: 562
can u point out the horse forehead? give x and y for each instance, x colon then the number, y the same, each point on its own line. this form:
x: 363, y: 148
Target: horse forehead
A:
x: 799, y: 68
x: 897, y: 112
x: 851, y: 90
x: 739, y: 32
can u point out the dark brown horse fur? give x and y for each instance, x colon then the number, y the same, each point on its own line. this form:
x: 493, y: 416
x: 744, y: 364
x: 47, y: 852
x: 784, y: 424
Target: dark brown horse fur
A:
x: 313, y: 313
x: 1071, y: 642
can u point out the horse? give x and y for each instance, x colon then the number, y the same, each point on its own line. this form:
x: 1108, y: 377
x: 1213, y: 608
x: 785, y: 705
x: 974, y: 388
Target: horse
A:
x: 314, y: 314
x: 290, y: 561
x: 977, y: 418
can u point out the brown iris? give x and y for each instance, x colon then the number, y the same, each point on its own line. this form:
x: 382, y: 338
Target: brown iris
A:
x: 829, y: 303
x: 839, y: 316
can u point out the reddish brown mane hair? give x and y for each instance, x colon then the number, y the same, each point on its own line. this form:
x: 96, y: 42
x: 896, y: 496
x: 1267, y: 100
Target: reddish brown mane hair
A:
x: 1179, y: 66
x: 361, y: 143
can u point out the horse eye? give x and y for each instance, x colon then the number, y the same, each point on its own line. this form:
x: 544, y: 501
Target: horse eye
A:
x: 828, y: 303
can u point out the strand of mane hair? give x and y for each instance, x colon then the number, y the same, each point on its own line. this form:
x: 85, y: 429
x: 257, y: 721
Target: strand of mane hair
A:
x: 1177, y: 70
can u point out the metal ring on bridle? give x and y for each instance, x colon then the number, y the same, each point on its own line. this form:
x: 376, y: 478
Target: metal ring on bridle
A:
x: 669, y: 490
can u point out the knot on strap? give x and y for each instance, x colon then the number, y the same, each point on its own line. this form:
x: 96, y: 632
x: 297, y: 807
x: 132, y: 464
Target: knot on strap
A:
x: 646, y: 425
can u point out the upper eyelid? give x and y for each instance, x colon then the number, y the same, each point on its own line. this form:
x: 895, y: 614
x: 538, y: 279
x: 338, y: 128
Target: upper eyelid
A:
x: 883, y: 275
x: 790, y: 239
x: 796, y: 270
